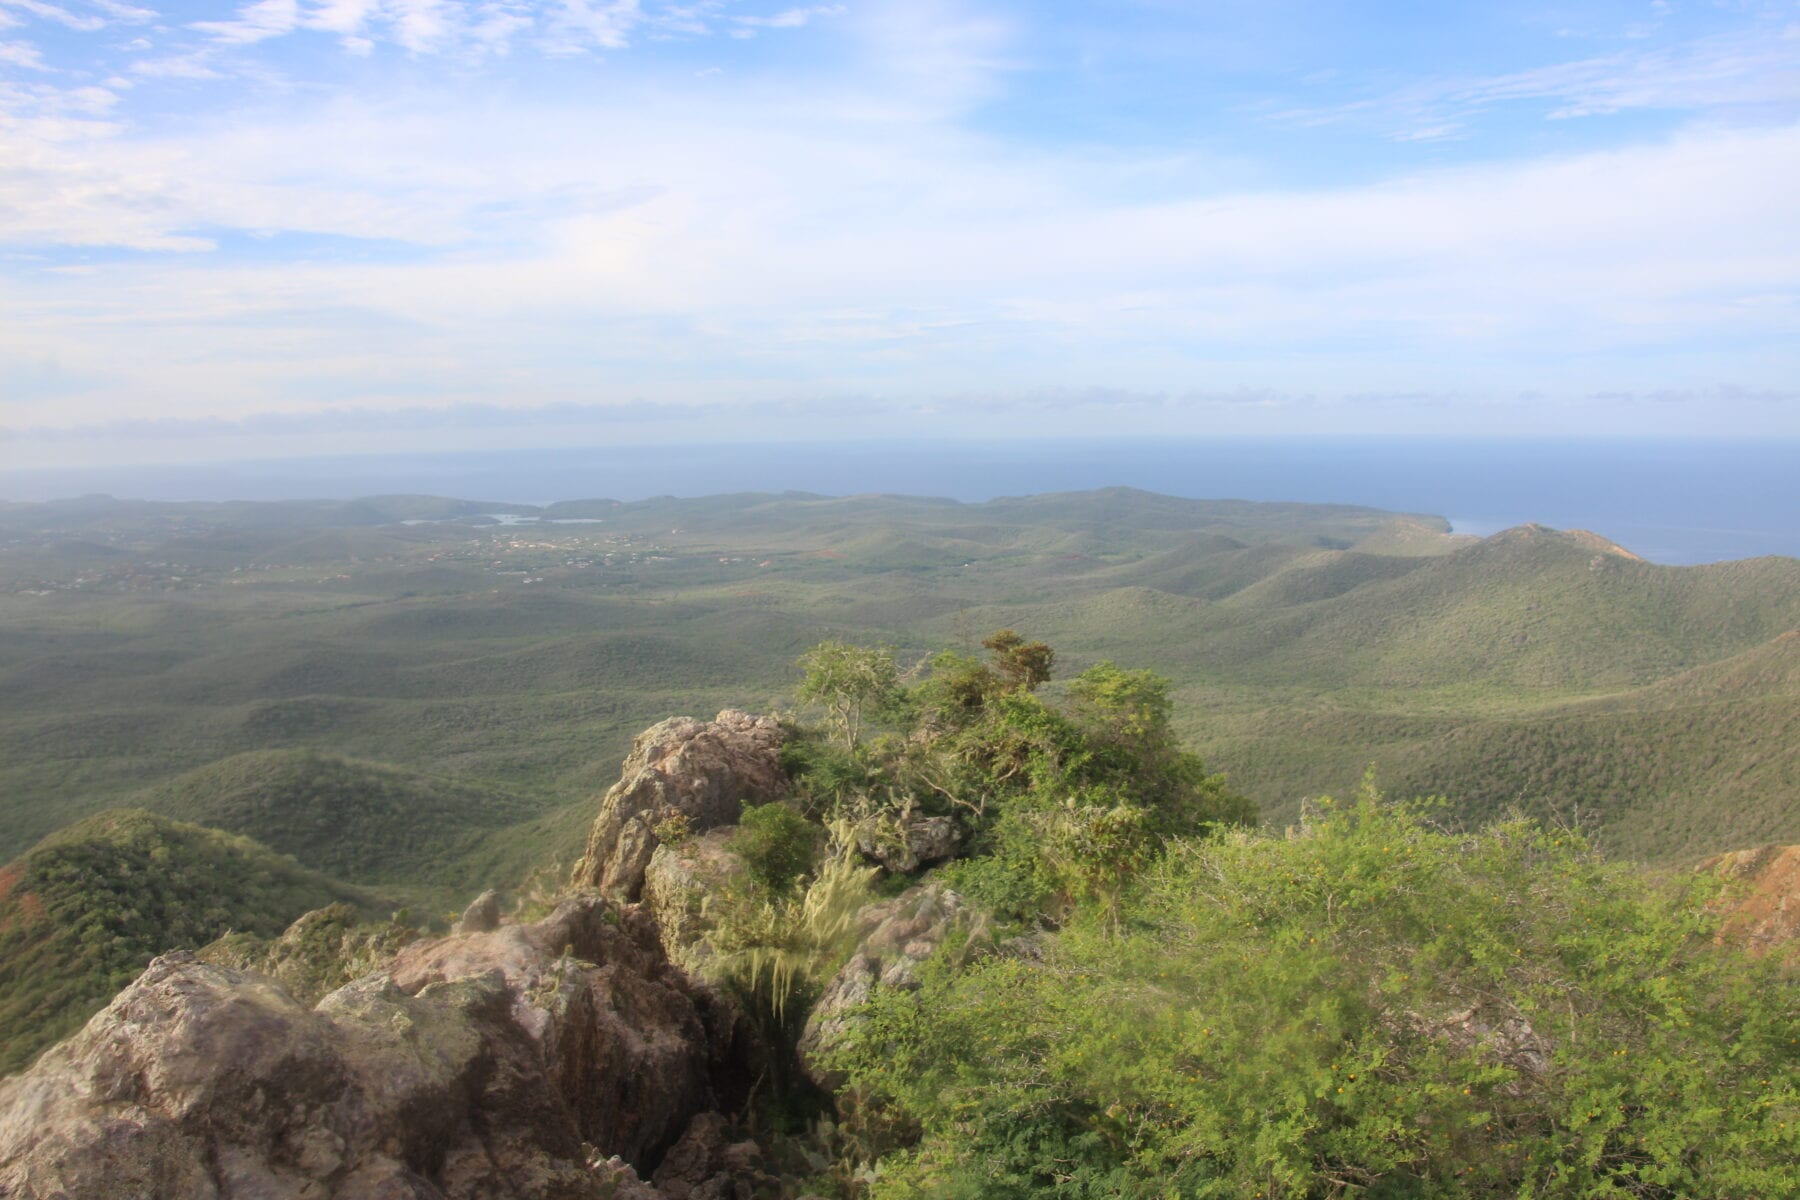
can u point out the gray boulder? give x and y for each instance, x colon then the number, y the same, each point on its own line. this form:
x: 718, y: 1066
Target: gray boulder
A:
x: 903, y: 846
x: 631, y: 1045
x: 697, y: 775
x: 680, y: 881
x: 200, y: 1081
x: 484, y: 1064
x: 482, y: 915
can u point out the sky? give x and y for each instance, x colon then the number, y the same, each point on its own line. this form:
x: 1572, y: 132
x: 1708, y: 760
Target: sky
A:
x: 307, y: 226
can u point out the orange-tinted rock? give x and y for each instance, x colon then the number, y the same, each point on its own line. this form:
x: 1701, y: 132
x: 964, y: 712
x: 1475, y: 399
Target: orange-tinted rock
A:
x: 1762, y: 908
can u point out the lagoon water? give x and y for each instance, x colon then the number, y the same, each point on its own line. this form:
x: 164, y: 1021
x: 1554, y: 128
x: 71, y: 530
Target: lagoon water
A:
x: 1672, y: 501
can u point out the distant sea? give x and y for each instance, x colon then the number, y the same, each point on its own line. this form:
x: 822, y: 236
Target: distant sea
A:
x: 1672, y: 501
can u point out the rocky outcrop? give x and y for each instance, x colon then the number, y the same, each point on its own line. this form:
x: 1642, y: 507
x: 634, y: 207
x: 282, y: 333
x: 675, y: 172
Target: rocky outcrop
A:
x: 708, y: 1164
x: 1504, y: 1039
x: 482, y: 915
x: 680, y: 880
x: 894, y: 936
x: 474, y: 1065
x: 903, y: 846
x: 686, y: 774
x: 200, y: 1081
x: 634, y: 1049
x: 1761, y: 909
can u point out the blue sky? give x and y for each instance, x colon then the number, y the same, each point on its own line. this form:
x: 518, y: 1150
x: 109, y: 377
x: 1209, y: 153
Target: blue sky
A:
x: 293, y: 226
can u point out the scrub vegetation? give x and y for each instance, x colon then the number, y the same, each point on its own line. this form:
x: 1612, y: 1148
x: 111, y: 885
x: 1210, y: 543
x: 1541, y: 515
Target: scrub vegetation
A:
x: 1375, y: 1007
x: 422, y: 697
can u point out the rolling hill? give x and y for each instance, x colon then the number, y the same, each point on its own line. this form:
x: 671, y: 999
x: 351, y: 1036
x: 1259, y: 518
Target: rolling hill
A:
x: 344, y: 818
x: 250, y: 665
x: 89, y: 906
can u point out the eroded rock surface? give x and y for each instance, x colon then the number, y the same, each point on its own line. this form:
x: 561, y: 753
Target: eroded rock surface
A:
x: 698, y: 774
x: 633, y: 1047
x: 708, y: 1164
x: 201, y: 1081
x: 915, y: 841
x: 678, y: 884
x: 483, y: 1064
x: 482, y: 915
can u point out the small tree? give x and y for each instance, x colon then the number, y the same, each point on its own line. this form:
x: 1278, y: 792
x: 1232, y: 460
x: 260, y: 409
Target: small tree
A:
x: 1125, y: 714
x: 1093, y: 846
x: 1022, y: 664
x: 852, y: 682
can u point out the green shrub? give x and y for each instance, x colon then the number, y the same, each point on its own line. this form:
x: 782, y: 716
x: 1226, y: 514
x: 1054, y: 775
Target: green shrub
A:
x: 777, y: 844
x: 1374, y: 1008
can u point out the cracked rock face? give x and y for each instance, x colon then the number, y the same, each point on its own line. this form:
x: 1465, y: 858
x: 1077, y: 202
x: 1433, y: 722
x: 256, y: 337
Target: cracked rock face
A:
x: 678, y: 884
x: 697, y: 774
x: 474, y: 1066
x: 905, y: 846
x: 632, y: 1046
x: 200, y: 1081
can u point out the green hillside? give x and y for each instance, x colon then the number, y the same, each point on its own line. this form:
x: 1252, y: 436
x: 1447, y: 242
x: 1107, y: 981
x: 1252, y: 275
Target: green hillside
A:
x: 499, y: 671
x: 348, y: 819
x: 88, y: 907
x: 1657, y: 770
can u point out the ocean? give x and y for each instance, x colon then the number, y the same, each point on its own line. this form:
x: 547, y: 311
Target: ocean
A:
x: 1671, y: 501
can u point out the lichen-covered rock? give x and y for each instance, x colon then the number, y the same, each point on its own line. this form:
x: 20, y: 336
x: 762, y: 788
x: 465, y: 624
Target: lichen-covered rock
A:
x: 483, y: 1064
x: 680, y: 880
x: 622, y: 1181
x: 1503, y: 1038
x: 562, y: 1060
x: 633, y: 1047
x: 915, y: 841
x: 200, y: 1081
x: 894, y: 936
x: 696, y: 774
x: 320, y: 952
x: 708, y: 1164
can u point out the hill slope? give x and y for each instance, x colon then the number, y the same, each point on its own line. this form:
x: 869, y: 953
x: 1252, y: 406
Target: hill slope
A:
x: 350, y: 819
x: 89, y: 906
x: 138, y: 643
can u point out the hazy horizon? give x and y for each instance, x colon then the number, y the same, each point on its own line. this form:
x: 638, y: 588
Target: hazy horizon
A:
x: 1669, y: 500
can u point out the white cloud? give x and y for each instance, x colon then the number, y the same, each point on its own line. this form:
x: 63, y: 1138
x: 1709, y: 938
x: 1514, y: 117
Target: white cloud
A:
x: 839, y: 229
x: 686, y: 248
x: 56, y: 13
x: 22, y: 54
x: 254, y: 22
x: 340, y: 16
x: 129, y: 13
x: 790, y: 18
x: 1732, y: 69
x: 1739, y: 69
x: 197, y: 65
